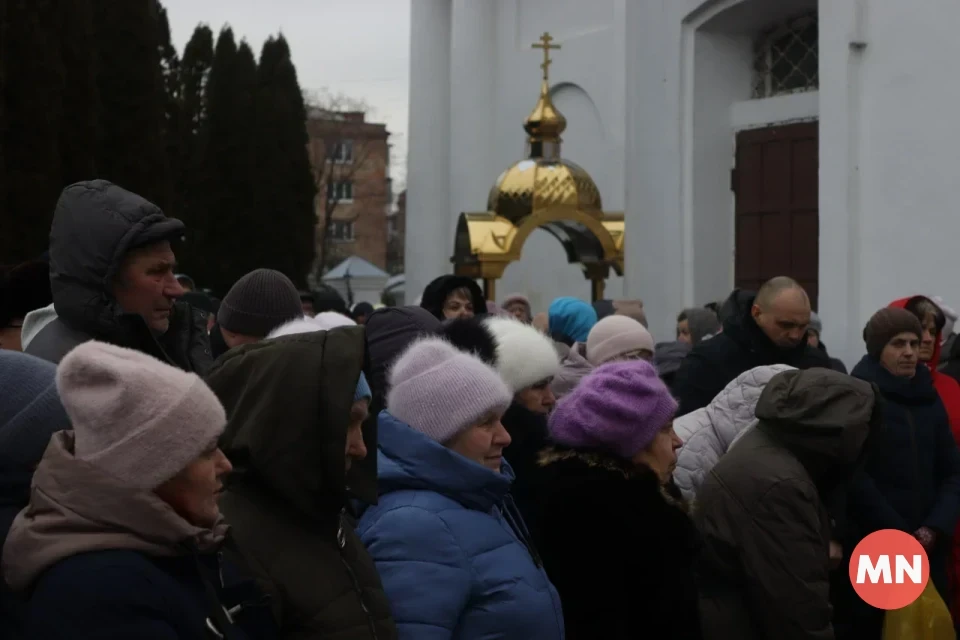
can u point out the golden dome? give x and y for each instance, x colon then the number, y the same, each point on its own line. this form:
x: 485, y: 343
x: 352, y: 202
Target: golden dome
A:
x: 538, y: 183
x: 544, y: 180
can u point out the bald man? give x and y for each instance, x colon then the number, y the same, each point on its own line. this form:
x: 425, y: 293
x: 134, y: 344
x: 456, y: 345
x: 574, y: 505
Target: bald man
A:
x: 769, y: 328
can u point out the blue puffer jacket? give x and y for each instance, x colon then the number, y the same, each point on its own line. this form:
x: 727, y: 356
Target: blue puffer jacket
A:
x: 451, y: 548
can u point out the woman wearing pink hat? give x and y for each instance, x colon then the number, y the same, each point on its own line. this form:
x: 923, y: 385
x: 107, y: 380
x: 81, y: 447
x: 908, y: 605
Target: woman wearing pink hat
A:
x: 618, y: 548
x: 122, y: 535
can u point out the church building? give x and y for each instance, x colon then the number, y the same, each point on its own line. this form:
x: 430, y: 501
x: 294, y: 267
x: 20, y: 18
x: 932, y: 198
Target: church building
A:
x: 740, y: 139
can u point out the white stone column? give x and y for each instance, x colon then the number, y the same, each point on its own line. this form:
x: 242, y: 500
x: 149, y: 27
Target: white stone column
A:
x: 473, y: 75
x: 655, y: 261
x: 429, y: 240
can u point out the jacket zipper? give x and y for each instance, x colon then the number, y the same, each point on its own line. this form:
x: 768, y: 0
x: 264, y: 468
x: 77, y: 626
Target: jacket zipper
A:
x: 342, y: 544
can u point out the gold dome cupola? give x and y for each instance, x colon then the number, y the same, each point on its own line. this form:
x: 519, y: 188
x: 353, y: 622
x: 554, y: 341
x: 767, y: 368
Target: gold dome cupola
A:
x: 542, y: 191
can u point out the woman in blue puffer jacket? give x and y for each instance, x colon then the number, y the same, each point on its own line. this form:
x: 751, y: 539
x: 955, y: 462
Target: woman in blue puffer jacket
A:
x: 454, y: 555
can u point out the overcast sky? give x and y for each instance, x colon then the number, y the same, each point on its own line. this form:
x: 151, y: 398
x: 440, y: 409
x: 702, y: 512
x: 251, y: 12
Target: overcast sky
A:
x: 360, y: 48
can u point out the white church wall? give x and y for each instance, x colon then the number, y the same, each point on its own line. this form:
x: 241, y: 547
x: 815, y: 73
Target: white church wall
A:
x: 428, y: 233
x: 889, y: 157
x: 719, y: 67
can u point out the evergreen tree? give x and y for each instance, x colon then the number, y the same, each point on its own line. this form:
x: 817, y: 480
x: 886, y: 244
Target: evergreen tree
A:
x: 190, y: 177
x: 131, y: 149
x: 31, y: 89
x: 172, y: 105
x: 229, y: 162
x: 285, y: 184
x: 78, y: 130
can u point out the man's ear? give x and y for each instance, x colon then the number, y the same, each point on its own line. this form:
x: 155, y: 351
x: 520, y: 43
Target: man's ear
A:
x: 755, y: 311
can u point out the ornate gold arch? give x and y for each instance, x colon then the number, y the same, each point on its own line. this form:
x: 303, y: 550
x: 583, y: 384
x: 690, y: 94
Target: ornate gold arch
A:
x: 563, y: 201
x: 486, y: 243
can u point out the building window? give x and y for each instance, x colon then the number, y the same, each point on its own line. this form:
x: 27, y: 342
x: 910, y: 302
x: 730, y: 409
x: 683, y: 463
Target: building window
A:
x: 787, y: 59
x: 340, y: 191
x: 342, y: 152
x: 341, y: 231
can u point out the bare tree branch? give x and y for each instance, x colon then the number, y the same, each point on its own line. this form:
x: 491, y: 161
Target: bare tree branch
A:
x: 340, y: 149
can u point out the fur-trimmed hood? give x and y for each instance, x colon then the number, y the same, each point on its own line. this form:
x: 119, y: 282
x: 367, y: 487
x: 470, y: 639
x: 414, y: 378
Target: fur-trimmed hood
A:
x: 525, y: 356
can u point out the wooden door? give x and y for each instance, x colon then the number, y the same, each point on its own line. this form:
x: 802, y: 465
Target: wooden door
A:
x: 776, y: 186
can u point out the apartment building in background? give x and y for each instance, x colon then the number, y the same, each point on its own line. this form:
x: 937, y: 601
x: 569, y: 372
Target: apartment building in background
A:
x: 396, y: 231
x: 351, y: 163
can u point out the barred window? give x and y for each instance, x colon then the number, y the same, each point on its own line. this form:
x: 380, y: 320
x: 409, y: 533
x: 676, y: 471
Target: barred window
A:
x: 786, y: 58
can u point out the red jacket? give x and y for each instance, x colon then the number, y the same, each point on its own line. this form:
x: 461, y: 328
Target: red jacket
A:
x: 949, y: 390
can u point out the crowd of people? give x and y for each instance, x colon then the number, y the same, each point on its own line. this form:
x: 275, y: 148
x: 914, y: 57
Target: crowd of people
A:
x: 277, y: 465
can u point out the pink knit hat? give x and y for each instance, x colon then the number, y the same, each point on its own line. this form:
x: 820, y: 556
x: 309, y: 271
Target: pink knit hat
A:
x: 619, y: 407
x: 440, y: 391
x: 615, y: 336
x: 134, y: 417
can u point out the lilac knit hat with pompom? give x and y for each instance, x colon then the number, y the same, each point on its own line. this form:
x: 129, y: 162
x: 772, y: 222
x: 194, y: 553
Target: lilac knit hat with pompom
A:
x: 619, y: 408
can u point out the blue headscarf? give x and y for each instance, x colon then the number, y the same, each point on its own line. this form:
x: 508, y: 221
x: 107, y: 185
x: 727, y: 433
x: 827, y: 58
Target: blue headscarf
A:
x: 571, y: 319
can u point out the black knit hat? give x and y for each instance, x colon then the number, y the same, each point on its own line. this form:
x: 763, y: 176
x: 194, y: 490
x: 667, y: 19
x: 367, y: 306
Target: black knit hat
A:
x: 884, y: 325
x: 23, y: 288
x: 258, y: 303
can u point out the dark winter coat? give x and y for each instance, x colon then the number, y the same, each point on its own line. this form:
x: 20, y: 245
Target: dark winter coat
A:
x: 765, y: 570
x: 528, y: 437
x: 835, y: 363
x: 288, y: 403
x: 437, y: 291
x: 30, y: 412
x: 95, y: 225
x: 111, y: 561
x: 912, y: 476
x: 389, y: 331
x: 667, y: 358
x: 741, y: 346
x: 619, y: 550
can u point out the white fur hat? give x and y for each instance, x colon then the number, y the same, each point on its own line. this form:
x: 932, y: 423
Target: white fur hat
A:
x: 322, y: 322
x: 524, y: 355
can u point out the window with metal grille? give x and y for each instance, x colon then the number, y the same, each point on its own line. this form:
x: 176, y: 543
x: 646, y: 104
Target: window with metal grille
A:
x: 786, y: 58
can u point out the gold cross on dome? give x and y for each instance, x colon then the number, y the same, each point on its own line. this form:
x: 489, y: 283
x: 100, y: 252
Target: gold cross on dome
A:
x: 544, y: 44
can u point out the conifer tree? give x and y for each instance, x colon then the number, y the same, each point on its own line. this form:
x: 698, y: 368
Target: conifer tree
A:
x: 229, y: 162
x: 80, y: 123
x: 31, y: 113
x: 131, y: 150
x: 172, y: 105
x: 190, y: 175
x: 285, y: 180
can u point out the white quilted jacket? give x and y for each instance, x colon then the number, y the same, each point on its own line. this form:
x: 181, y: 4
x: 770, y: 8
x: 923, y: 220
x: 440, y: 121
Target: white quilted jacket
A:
x: 709, y: 432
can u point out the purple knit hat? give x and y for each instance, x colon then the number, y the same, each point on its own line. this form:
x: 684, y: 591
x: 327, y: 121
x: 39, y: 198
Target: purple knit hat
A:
x: 619, y: 407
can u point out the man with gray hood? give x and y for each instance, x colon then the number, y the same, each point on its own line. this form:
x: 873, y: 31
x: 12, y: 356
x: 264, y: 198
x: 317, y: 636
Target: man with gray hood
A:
x: 112, y: 275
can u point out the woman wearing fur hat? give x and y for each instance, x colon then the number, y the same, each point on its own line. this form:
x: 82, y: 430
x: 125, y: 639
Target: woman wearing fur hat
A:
x: 122, y: 532
x: 527, y: 362
x: 615, y: 450
x: 454, y: 554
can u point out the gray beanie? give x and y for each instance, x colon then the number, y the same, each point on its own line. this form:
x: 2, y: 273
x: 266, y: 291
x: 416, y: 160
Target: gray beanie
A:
x: 815, y: 324
x: 258, y: 303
